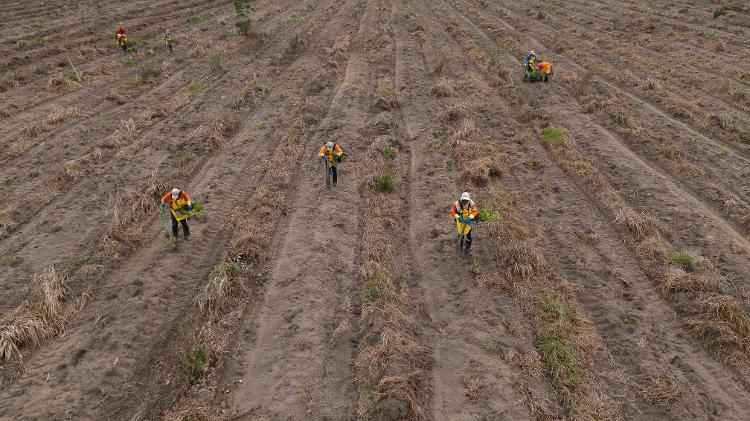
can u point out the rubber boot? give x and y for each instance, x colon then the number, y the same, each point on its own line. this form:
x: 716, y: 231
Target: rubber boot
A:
x: 468, y: 247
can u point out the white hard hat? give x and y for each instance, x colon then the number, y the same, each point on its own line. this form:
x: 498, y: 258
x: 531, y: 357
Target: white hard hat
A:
x: 175, y: 193
x: 465, y: 196
x: 329, y: 146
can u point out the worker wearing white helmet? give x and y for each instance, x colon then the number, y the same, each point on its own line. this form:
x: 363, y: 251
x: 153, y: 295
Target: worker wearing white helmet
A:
x: 464, y: 211
x: 179, y: 204
x: 331, y: 154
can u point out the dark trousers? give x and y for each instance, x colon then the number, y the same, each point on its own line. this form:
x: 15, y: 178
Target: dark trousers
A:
x: 333, y: 173
x: 185, y: 227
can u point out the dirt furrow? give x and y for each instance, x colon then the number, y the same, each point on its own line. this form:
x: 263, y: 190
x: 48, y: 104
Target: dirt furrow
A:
x: 246, y: 73
x: 731, y: 227
x: 616, y: 60
x: 126, y: 305
x: 287, y: 360
x: 712, y: 367
x: 643, y: 333
x: 724, y: 193
x: 60, y: 209
x: 67, y: 38
x: 22, y: 102
x: 468, y: 323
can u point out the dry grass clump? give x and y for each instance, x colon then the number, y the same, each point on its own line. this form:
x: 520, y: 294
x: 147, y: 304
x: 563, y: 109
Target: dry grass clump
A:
x: 456, y: 112
x: 522, y: 260
x: 483, y: 170
x: 37, y: 318
x: 191, y: 410
x: 126, y: 209
x: 59, y: 114
x: 393, y: 396
x: 222, y: 129
x: 220, y: 288
x: 149, y: 70
x: 678, y: 281
x: 442, y: 89
x: 662, y: 391
x: 464, y: 135
x: 652, y: 248
x: 638, y: 223
x: 671, y: 151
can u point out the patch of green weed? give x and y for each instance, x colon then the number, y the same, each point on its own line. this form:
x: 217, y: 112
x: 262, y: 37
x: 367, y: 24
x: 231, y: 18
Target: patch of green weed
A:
x: 554, y: 135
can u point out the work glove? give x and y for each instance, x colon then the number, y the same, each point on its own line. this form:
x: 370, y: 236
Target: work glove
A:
x: 188, y: 207
x: 460, y: 218
x: 468, y: 220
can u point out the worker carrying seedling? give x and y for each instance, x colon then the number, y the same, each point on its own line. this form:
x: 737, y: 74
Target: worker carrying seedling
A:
x: 122, y: 39
x: 531, y: 58
x: 464, y: 211
x: 168, y: 40
x: 331, y: 154
x: 179, y: 203
x: 545, y: 69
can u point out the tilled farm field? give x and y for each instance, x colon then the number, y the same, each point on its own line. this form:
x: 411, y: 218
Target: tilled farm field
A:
x: 610, y: 273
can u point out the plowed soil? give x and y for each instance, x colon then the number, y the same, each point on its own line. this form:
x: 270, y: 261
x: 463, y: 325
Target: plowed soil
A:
x: 610, y: 272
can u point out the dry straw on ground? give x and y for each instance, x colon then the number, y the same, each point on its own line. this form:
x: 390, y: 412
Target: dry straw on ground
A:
x: 37, y: 318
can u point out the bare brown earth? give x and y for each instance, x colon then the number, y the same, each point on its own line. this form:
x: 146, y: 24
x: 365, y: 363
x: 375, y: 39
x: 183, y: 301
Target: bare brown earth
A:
x: 611, y: 281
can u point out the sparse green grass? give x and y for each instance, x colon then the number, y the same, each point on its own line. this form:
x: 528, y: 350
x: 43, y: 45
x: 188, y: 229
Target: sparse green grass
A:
x: 73, y: 76
x: 546, y: 185
x: 74, y: 264
x: 491, y: 347
x: 492, y: 61
x: 509, y: 45
x: 372, y: 293
x: 55, y: 228
x: 216, y: 63
x: 386, y: 181
x: 380, y: 285
x: 723, y: 150
x: 244, y: 27
x: 242, y: 8
x: 131, y: 62
x: 192, y: 362
x: 719, y: 12
x: 628, y: 319
x: 561, y: 363
x: 584, y: 239
x: 488, y: 215
x: 112, y: 144
x: 40, y: 40
x: 741, y: 135
x: 293, y: 20
x: 388, y: 153
x: 712, y: 37
x: 554, y: 135
x: 231, y: 269
x: 196, y: 88
x: 183, y: 157
x: 194, y: 17
x: 255, y: 83
x: 10, y: 261
x: 532, y: 164
x: 552, y: 307
x: 685, y: 260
